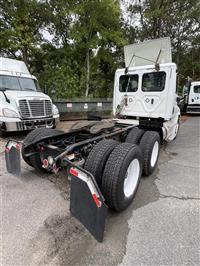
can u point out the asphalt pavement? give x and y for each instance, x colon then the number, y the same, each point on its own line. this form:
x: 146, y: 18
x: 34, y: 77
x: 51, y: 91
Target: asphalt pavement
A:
x: 161, y: 227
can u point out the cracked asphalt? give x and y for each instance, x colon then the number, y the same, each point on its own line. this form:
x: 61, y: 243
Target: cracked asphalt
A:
x: 161, y: 227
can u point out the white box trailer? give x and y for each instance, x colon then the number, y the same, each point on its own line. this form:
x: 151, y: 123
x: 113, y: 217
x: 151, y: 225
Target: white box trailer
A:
x: 22, y: 105
x: 106, y: 159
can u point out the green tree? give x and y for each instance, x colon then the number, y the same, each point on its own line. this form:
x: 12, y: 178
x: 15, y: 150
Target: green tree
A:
x: 58, y: 71
x: 20, y: 27
x: 61, y: 19
x: 177, y: 19
x: 96, y: 26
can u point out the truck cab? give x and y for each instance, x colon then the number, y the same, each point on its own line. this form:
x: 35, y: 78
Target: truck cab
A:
x: 145, y: 92
x: 149, y: 93
x: 22, y: 105
x: 194, y: 98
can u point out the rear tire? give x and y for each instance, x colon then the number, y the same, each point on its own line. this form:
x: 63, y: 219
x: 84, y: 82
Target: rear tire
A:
x: 150, y: 146
x: 122, y: 175
x: 97, y: 158
x: 135, y: 135
x: 40, y: 133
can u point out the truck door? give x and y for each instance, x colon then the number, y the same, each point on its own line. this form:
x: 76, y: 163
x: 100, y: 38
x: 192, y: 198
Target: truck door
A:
x: 194, y: 95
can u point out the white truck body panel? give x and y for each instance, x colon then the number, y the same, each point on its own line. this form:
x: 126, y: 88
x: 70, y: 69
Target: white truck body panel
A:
x: 12, y: 65
x: 16, y: 68
x: 148, y: 53
x: 152, y: 104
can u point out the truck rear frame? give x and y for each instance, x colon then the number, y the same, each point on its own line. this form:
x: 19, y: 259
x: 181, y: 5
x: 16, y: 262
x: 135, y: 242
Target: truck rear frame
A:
x: 49, y: 150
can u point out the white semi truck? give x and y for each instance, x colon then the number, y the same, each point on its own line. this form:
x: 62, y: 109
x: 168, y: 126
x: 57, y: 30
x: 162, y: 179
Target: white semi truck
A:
x: 22, y: 105
x: 106, y: 159
x: 191, y: 97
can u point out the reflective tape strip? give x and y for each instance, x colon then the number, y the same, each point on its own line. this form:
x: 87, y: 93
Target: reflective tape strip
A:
x: 97, y: 200
x: 12, y: 144
x: 73, y: 172
x: 90, y: 184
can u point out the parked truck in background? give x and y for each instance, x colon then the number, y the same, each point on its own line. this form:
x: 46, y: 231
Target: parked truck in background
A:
x: 106, y: 159
x: 190, y: 102
x: 22, y: 105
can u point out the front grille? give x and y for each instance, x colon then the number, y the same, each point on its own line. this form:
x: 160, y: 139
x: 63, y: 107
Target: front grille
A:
x: 35, y: 108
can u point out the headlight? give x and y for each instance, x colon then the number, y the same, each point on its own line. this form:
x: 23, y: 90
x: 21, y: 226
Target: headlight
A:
x: 55, y: 110
x: 9, y: 113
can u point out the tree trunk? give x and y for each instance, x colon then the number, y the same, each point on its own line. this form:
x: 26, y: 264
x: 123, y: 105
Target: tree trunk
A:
x: 87, y: 72
x: 25, y: 55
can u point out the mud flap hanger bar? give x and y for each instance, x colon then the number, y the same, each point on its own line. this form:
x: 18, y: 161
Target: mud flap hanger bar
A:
x: 87, y: 203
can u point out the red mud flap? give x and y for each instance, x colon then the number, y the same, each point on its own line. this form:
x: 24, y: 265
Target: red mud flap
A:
x: 12, y: 156
x: 87, y: 203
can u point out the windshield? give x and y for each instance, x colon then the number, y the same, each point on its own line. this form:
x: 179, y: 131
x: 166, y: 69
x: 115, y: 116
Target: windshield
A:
x: 197, y: 89
x: 18, y: 83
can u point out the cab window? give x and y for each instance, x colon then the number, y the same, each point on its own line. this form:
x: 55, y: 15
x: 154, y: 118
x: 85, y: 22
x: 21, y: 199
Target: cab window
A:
x: 128, y: 83
x: 196, y: 89
x: 154, y: 81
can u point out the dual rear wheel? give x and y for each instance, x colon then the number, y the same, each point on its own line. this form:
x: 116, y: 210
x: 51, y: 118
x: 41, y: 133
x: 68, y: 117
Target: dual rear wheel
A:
x: 149, y: 142
x: 117, y: 168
